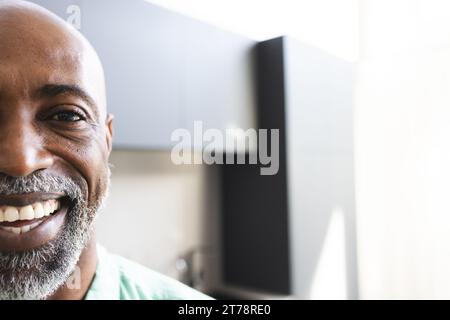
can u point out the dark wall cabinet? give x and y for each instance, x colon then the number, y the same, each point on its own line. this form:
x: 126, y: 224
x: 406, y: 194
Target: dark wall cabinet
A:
x: 277, y: 228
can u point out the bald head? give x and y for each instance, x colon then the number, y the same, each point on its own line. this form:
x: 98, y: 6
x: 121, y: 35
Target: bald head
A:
x: 30, y: 34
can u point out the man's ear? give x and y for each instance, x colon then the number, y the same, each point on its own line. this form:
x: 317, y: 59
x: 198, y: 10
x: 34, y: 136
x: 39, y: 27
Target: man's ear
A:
x: 109, y: 131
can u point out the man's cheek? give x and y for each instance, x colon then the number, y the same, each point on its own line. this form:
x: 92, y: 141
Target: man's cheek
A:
x: 96, y: 172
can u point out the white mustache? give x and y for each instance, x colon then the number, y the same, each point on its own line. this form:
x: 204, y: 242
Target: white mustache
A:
x: 40, y: 182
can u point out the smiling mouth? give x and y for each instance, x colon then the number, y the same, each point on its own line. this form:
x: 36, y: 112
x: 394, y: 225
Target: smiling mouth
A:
x: 22, y: 219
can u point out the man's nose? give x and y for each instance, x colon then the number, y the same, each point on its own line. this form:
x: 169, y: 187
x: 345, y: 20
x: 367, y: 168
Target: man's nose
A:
x: 22, y: 151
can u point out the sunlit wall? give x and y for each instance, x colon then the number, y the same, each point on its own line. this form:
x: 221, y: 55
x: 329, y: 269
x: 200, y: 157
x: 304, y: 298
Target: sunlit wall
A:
x: 402, y: 149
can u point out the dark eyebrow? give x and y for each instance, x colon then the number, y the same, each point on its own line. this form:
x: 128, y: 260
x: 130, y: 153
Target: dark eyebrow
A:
x: 54, y: 90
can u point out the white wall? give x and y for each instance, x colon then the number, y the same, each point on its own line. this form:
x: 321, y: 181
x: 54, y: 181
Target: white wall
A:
x: 403, y: 149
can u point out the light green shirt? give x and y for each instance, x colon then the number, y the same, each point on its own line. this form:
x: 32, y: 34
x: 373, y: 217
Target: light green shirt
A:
x: 117, y: 278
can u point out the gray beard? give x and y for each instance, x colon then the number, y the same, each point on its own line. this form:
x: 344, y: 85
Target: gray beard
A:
x: 37, y: 273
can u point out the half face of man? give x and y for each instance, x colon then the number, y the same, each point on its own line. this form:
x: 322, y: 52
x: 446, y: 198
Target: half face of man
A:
x: 55, y: 139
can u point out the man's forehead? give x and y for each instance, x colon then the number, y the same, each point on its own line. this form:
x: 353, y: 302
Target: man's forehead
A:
x: 39, y: 48
x: 27, y: 66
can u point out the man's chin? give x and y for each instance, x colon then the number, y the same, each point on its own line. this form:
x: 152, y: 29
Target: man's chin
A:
x: 30, y: 275
x: 37, y: 273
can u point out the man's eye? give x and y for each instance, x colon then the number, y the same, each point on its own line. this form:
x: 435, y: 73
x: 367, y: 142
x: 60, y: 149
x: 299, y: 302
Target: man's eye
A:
x: 67, y: 116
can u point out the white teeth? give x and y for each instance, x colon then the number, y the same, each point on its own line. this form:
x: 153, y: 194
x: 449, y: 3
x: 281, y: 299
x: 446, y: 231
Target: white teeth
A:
x: 37, y: 210
x: 47, y: 208
x: 54, y: 205
x: 26, y: 213
x: 11, y: 214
